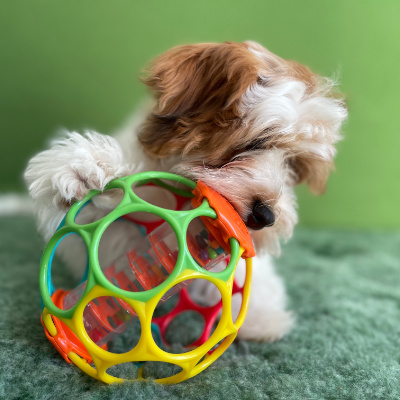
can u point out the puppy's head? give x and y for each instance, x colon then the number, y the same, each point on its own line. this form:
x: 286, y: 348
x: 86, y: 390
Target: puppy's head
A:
x: 249, y: 124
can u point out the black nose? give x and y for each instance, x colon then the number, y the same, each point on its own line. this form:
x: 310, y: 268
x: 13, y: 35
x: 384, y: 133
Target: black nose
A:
x: 261, y: 216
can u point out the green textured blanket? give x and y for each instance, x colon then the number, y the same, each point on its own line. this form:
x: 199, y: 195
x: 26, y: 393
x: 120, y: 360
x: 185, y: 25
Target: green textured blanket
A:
x: 343, y: 286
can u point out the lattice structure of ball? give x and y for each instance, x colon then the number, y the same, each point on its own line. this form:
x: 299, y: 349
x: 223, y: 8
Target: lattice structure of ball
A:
x: 107, y: 299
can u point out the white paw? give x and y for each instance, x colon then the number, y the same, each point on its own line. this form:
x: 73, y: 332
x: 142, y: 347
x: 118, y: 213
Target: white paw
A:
x: 267, y: 326
x: 204, y: 292
x: 266, y: 319
x: 74, y: 166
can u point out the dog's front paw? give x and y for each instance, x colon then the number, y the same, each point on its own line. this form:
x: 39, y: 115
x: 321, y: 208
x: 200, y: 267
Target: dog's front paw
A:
x: 74, y: 166
x: 267, y: 326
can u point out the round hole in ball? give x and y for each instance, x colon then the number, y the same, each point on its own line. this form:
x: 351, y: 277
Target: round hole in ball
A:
x: 163, y: 193
x: 204, y: 293
x: 165, y: 307
x: 183, y: 331
x: 134, y: 261
x: 237, y: 297
x: 160, y: 369
x: 185, y: 322
x: 112, y: 322
x: 68, y: 267
x: 126, y: 370
x: 99, y: 206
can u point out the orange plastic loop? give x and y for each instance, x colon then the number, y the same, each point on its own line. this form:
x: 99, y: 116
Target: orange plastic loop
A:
x: 228, y: 223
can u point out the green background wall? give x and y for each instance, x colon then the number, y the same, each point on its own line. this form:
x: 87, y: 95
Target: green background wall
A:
x: 75, y: 64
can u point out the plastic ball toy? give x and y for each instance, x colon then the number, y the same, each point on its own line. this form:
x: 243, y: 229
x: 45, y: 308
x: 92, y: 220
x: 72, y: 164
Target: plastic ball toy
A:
x: 82, y: 322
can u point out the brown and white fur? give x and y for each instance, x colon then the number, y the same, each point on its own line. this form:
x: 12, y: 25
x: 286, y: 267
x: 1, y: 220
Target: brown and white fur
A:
x: 236, y: 116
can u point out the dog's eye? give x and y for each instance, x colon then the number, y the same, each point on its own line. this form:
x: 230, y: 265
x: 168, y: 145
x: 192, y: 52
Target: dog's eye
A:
x: 258, y: 144
x: 237, y: 154
x: 263, y: 81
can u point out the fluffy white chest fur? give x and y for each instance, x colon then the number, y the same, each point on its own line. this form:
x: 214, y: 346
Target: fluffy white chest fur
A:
x: 246, y: 122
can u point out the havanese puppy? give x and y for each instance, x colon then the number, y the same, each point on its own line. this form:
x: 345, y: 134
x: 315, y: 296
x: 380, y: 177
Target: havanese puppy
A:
x: 234, y: 115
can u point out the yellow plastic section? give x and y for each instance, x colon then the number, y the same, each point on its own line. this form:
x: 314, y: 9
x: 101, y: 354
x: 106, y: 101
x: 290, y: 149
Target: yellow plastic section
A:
x: 49, y: 324
x: 146, y: 349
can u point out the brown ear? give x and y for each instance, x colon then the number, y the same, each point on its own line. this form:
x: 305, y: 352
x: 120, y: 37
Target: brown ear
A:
x: 198, y: 90
x: 201, y: 77
x: 312, y: 170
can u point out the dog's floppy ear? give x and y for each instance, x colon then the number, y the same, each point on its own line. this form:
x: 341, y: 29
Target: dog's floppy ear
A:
x: 198, y: 89
x: 320, y: 114
x: 313, y: 168
x: 201, y: 77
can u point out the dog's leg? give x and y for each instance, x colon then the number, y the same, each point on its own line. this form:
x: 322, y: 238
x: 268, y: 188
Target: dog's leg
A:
x: 69, y: 170
x: 266, y: 320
